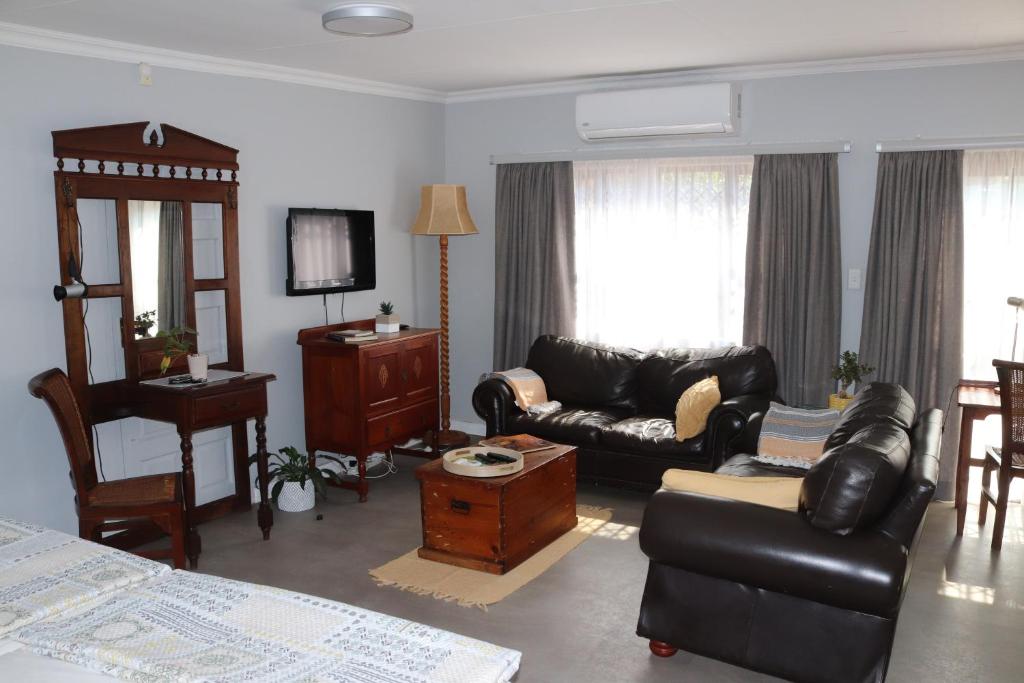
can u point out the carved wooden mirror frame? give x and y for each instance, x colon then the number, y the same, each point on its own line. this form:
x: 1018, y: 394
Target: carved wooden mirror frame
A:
x: 120, y: 163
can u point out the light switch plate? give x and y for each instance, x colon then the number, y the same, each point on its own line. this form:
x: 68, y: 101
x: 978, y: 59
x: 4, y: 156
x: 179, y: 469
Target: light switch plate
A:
x: 853, y: 279
x: 145, y: 74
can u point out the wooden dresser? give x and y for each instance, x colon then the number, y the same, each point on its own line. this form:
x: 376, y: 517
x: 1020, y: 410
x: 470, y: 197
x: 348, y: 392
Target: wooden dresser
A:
x: 361, y: 398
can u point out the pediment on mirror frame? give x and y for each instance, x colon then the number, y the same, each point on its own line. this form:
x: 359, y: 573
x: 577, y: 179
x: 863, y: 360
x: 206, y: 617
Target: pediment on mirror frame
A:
x: 143, y: 142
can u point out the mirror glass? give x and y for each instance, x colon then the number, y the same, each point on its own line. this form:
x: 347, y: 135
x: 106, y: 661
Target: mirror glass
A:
x: 212, y: 325
x: 156, y: 231
x: 207, y: 241
x: 103, y: 325
x: 99, y: 256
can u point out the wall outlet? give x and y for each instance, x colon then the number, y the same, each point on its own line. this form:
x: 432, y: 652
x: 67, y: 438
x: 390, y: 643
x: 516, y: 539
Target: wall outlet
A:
x: 145, y: 74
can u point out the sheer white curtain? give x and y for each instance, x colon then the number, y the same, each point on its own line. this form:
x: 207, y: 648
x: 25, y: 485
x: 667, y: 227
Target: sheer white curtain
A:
x: 993, y: 248
x: 660, y: 250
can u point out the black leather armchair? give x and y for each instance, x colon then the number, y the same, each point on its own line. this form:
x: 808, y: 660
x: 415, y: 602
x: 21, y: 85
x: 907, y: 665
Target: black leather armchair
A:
x: 618, y: 406
x: 798, y: 595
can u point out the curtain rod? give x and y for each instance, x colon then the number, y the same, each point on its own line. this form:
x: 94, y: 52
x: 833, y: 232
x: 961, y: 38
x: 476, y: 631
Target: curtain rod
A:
x: 725, y: 149
x: 938, y: 144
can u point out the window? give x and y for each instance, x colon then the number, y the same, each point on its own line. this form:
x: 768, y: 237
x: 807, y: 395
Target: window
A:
x: 993, y: 246
x: 661, y: 250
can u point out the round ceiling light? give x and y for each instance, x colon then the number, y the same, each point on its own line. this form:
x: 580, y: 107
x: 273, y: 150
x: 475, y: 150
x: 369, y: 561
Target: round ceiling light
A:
x: 367, y: 19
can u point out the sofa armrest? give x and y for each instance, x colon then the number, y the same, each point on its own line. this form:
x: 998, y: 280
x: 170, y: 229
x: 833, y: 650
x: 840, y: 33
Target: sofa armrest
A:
x: 775, y: 550
x: 734, y: 426
x: 494, y: 401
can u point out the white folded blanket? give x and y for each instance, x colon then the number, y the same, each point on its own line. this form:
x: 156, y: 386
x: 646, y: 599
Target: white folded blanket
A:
x: 527, y: 386
x: 544, y: 408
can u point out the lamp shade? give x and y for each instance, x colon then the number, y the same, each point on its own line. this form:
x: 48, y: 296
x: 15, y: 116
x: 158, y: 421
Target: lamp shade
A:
x: 443, y: 211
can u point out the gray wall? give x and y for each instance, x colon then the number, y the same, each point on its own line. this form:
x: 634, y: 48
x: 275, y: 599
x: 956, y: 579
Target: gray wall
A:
x: 977, y: 100
x: 299, y: 146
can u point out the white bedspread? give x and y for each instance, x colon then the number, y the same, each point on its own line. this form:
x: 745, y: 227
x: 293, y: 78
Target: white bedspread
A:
x: 139, y: 621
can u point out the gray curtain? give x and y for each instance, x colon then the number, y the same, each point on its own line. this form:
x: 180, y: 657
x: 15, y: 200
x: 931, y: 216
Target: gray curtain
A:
x: 171, y: 267
x: 534, y: 259
x: 913, y: 303
x: 793, y: 276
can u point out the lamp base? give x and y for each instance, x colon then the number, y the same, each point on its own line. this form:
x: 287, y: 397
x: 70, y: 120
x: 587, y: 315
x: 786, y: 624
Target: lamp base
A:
x: 447, y: 439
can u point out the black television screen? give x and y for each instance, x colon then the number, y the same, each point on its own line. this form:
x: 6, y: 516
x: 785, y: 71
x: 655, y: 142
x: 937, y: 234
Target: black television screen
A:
x: 330, y: 250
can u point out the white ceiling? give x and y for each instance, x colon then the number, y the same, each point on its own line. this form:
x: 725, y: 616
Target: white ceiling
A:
x: 459, y: 45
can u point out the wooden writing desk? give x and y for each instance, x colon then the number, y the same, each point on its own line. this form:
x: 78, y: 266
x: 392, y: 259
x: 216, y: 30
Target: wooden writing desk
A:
x: 206, y: 406
x: 977, y: 400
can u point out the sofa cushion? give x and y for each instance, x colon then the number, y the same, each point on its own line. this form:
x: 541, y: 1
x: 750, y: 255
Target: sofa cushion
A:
x: 875, y: 402
x: 664, y: 375
x: 854, y: 483
x: 694, y: 406
x: 776, y: 492
x: 653, y: 435
x: 584, y: 373
x: 571, y: 425
x: 744, y: 465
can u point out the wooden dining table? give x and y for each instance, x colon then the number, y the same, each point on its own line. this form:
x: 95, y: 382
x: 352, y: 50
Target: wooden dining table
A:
x: 977, y: 400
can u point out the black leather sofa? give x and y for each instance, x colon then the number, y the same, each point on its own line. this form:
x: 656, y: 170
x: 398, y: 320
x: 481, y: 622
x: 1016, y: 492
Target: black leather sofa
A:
x: 807, y: 596
x: 618, y: 405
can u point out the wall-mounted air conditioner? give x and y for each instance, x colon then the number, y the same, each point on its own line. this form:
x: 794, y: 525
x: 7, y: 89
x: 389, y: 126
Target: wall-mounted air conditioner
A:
x: 705, y: 109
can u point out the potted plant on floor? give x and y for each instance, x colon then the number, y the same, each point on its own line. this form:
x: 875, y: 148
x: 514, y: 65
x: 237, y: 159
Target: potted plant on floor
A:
x: 850, y: 371
x: 296, y: 484
x: 387, y: 320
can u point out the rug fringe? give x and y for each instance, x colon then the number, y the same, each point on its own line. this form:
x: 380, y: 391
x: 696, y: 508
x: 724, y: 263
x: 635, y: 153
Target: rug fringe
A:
x: 436, y: 594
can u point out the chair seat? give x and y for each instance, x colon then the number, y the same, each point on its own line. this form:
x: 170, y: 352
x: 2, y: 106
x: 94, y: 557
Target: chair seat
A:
x: 654, y: 435
x: 148, y: 490
x: 996, y: 453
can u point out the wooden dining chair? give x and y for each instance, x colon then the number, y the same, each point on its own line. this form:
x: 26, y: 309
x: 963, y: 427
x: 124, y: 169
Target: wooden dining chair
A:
x: 1006, y: 461
x: 119, y: 505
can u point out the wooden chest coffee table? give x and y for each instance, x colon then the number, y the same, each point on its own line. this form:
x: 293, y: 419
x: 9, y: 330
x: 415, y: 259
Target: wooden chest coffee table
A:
x: 495, y: 524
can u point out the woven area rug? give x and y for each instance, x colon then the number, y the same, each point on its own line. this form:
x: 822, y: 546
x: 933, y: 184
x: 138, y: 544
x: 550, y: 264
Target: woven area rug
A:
x: 471, y: 588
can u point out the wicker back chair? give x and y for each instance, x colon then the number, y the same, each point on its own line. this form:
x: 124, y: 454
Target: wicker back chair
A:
x: 1007, y: 461
x: 120, y: 505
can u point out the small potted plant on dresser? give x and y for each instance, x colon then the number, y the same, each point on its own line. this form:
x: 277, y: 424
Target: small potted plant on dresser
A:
x: 850, y: 371
x: 144, y: 322
x: 387, y: 320
x: 177, y: 343
x: 296, y: 484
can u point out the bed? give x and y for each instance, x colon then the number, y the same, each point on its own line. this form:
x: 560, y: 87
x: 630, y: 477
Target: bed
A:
x: 74, y: 609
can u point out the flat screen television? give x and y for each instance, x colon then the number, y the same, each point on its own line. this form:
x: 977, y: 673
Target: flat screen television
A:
x: 330, y: 250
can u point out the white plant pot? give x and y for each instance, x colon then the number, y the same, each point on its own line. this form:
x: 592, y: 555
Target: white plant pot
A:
x: 386, y: 324
x: 198, y: 365
x: 293, y: 498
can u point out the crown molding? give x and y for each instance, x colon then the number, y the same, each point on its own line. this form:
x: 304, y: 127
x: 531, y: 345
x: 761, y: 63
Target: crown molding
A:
x: 30, y: 37
x: 33, y: 38
x: 741, y: 73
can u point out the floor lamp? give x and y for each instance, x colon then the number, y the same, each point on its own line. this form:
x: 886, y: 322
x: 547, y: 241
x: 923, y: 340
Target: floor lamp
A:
x: 443, y: 212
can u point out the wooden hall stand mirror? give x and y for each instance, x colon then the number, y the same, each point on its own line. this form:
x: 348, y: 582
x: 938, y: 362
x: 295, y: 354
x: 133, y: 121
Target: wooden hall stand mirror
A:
x: 148, y: 214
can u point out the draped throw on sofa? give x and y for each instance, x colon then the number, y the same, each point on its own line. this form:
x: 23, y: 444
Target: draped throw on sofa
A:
x: 913, y: 303
x: 793, y: 277
x: 534, y: 257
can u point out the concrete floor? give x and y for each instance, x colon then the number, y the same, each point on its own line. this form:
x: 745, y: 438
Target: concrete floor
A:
x: 963, y: 619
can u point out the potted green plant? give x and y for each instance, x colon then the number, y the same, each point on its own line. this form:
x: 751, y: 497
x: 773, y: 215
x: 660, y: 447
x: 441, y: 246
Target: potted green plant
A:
x: 177, y: 343
x: 296, y: 484
x: 144, y: 322
x: 387, y: 320
x: 850, y: 371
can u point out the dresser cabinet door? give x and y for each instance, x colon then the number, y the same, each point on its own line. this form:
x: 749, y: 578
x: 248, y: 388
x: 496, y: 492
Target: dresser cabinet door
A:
x: 419, y: 369
x: 382, y: 377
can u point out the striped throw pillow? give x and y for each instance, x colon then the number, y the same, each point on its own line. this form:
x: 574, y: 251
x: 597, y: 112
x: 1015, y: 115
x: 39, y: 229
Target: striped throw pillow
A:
x: 794, y: 437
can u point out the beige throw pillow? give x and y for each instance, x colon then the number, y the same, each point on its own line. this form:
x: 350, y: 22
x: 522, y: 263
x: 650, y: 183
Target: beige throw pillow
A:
x: 694, y: 406
x: 775, y: 492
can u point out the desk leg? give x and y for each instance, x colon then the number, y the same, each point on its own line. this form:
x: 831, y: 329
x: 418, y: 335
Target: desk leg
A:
x: 194, y: 543
x: 265, y: 514
x: 963, y: 468
x: 364, y: 486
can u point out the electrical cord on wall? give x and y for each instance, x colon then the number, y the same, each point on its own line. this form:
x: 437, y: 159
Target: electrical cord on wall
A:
x: 326, y: 321
x: 88, y: 349
x: 343, y: 307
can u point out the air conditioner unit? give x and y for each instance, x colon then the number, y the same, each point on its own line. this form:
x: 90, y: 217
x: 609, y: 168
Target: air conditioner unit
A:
x: 706, y: 109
